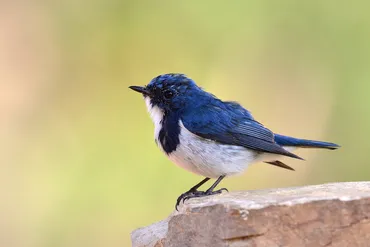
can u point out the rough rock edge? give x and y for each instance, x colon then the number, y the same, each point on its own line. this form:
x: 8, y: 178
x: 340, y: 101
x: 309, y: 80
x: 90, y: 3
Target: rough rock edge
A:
x: 155, y: 234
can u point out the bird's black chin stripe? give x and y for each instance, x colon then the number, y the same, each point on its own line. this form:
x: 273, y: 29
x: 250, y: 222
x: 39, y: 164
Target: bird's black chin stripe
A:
x: 169, y: 134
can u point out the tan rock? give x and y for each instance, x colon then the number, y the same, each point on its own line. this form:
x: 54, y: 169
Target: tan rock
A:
x: 335, y: 214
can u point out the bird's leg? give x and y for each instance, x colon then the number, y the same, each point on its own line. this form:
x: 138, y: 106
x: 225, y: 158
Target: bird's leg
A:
x: 207, y: 192
x: 210, y: 190
x: 191, y: 191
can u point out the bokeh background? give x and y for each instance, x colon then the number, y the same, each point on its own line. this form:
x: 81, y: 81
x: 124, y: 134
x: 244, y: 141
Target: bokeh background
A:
x: 78, y: 162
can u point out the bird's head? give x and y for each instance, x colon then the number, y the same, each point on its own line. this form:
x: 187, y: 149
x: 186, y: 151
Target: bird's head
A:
x: 171, y: 92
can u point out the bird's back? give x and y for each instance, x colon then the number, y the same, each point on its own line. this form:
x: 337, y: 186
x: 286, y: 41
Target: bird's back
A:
x: 230, y: 124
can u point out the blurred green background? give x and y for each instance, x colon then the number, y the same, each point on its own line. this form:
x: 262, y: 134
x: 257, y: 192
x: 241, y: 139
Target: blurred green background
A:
x: 78, y: 162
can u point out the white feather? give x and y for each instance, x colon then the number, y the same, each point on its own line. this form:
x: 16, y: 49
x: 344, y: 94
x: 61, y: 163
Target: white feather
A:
x: 156, y: 114
x: 206, y: 157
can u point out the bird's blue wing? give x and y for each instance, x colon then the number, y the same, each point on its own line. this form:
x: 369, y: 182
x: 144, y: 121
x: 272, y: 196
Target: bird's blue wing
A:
x: 231, y: 124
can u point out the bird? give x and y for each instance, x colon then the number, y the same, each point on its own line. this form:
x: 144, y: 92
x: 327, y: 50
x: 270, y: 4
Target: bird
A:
x: 211, y: 137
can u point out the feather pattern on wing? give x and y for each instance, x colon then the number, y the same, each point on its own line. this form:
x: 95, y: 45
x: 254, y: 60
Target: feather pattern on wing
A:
x: 229, y: 123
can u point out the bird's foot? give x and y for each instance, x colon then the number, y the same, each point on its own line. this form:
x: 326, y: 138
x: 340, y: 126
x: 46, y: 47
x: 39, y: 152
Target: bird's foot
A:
x: 204, y: 193
x: 184, y: 195
x: 195, y: 193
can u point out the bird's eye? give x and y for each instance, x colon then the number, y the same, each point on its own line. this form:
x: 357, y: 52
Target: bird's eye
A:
x: 168, y: 94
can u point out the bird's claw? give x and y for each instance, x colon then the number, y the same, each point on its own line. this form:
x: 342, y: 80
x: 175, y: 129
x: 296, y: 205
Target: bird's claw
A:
x: 183, y: 196
x: 195, y: 193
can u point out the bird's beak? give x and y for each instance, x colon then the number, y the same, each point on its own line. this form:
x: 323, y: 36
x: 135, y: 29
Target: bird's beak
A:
x: 140, y: 90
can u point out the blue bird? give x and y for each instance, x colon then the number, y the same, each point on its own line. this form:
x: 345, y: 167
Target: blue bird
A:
x: 211, y: 137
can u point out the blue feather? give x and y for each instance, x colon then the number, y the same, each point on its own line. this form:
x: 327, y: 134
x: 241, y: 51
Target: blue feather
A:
x: 169, y: 134
x: 179, y: 98
x: 228, y: 123
x: 296, y: 142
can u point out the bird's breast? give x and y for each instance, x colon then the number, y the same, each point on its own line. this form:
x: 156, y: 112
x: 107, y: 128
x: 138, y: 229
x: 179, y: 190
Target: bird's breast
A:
x: 193, y: 153
x: 166, y: 127
x: 209, y: 158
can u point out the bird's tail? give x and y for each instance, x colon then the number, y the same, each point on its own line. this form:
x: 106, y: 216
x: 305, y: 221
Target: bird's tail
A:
x: 288, y: 141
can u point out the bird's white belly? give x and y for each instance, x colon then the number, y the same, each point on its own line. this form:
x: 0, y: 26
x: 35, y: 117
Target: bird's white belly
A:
x: 208, y: 158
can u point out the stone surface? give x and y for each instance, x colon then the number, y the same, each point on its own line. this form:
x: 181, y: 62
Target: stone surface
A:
x: 335, y: 214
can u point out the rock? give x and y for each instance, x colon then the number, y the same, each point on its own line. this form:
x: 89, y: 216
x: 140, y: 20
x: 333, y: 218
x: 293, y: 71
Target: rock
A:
x: 335, y: 214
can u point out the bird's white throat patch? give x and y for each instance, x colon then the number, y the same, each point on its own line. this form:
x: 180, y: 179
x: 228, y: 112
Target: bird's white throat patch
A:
x: 156, y: 114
